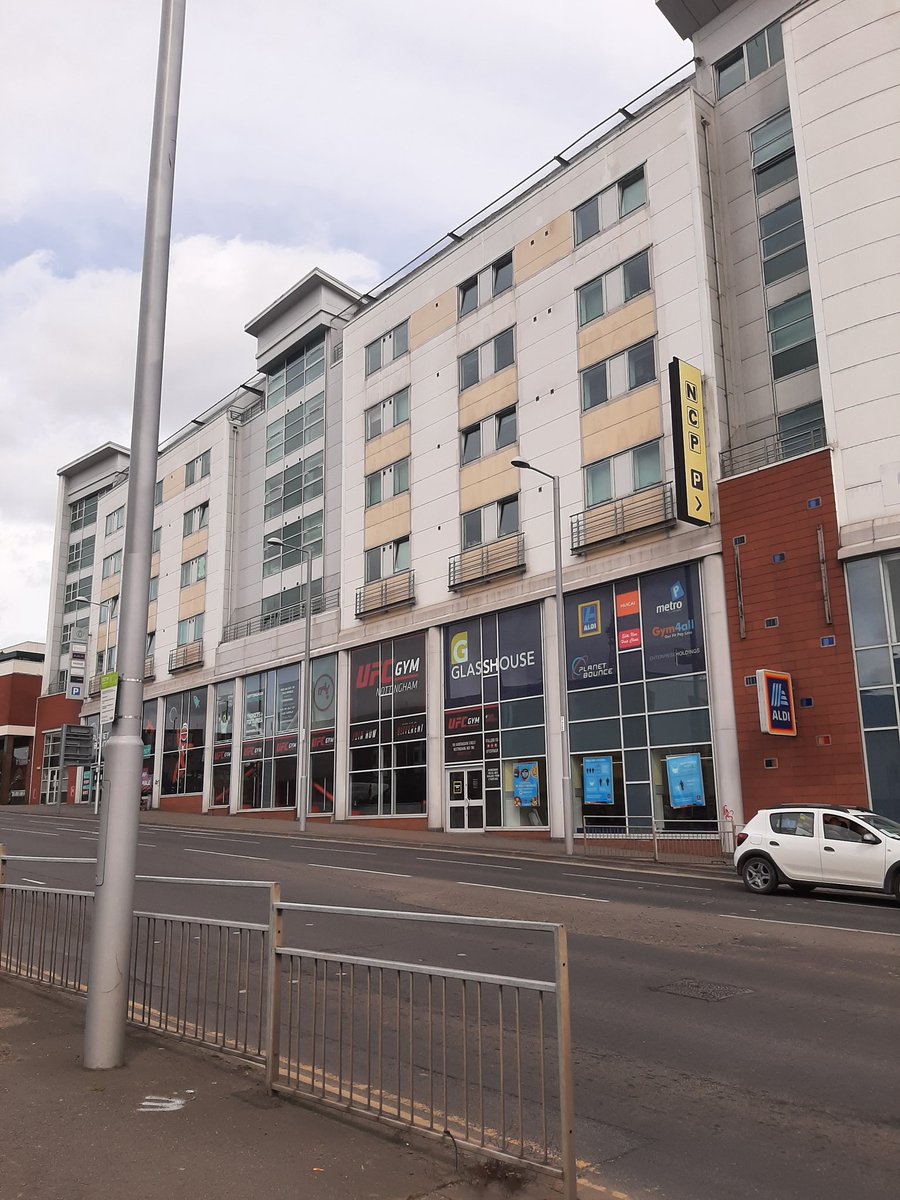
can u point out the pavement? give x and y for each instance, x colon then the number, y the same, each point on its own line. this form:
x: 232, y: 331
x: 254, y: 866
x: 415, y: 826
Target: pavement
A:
x: 180, y: 1122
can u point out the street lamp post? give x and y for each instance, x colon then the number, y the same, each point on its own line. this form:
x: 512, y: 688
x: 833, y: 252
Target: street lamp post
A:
x: 304, y: 682
x: 568, y: 814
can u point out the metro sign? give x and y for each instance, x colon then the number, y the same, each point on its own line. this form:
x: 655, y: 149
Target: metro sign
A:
x: 775, y: 694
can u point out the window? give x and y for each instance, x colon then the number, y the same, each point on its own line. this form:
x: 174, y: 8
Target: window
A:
x: 502, y: 275
x: 393, y: 345
x: 156, y: 540
x: 749, y: 60
x: 614, y: 288
x: 65, y: 640
x: 488, y: 436
x: 193, y: 571
x: 841, y: 829
x: 508, y: 517
x: 641, y: 364
x: 82, y: 513
x: 303, y: 534
x: 497, y: 520
x: 112, y: 564
x: 646, y: 467
x: 792, y: 336
x: 184, y: 741
x: 471, y: 528
x: 154, y: 587
x: 295, y: 485
x: 506, y: 432
x: 468, y: 296
x: 782, y: 242
x: 115, y: 520
x: 390, y: 481
x: 150, y: 648
x: 388, y: 414
x: 81, y: 587
x: 802, y: 429
x: 389, y: 559
x: 197, y: 468
x: 195, y: 518
x: 190, y: 630
x: 772, y: 153
x: 158, y: 492
x: 598, y: 483
x: 611, y: 205
x: 109, y: 610
x: 301, y: 369
x: 623, y: 475
x: 624, y: 372
x: 471, y: 444
x: 297, y: 428
x: 487, y: 359
x: 793, y: 824
x: 81, y: 555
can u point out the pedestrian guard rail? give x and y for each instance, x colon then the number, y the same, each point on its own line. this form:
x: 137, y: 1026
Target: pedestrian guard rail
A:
x: 481, y: 1059
x: 670, y: 840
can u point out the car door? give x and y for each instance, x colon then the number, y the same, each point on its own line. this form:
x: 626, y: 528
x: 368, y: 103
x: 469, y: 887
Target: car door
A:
x: 792, y: 843
x: 846, y: 858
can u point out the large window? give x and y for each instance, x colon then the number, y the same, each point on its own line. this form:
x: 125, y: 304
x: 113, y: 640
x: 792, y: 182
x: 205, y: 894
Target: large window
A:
x: 487, y: 359
x: 80, y: 587
x: 480, y: 288
x: 194, y: 520
x: 269, y: 746
x: 390, y: 559
x: 749, y: 60
x: 388, y: 482
x: 633, y: 368
x: 115, y: 520
x: 392, y: 345
x: 112, y: 564
x: 298, y: 427
x: 223, y: 739
x: 295, y: 485
x: 792, y: 336
x: 193, y: 571
x: 613, y: 478
x: 613, y: 289
x: 81, y: 555
x: 322, y: 712
x: 190, y: 630
x: 197, y: 468
x: 772, y: 153
x: 82, y: 513
x: 782, y: 242
x: 497, y: 432
x: 148, y: 764
x: 301, y: 369
x: 184, y: 739
x: 303, y: 534
x: 610, y: 205
x: 387, y: 414
x: 492, y: 521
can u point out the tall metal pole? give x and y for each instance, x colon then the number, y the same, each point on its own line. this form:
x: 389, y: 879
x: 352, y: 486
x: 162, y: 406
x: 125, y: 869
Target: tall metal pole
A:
x: 568, y: 815
x: 104, y: 1034
x: 306, y: 699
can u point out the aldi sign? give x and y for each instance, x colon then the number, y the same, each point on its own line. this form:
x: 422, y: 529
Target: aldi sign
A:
x: 775, y: 694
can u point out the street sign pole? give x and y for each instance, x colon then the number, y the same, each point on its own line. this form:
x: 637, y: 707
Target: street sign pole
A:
x: 104, y: 1033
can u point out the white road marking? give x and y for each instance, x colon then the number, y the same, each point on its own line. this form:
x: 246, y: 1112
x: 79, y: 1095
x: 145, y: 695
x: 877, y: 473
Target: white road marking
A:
x: 88, y: 837
x: 358, y: 870
x: 527, y: 892
x: 461, y: 862
x: 162, y: 1104
x: 364, y: 853
x: 809, y: 925
x: 32, y: 832
x: 39, y: 882
x: 225, y: 854
x: 685, y: 887
x: 149, y: 845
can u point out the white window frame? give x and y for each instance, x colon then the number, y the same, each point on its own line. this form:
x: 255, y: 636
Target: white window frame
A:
x: 190, y: 630
x: 386, y: 411
x: 198, y: 468
x: 612, y: 288
x: 607, y: 205
x: 489, y: 520
x: 486, y: 359
x: 195, y: 519
x: 622, y: 475
x: 115, y: 520
x: 387, y: 483
x: 770, y: 40
x: 193, y: 571
x: 618, y: 374
x: 112, y: 565
x: 384, y: 560
x: 396, y: 341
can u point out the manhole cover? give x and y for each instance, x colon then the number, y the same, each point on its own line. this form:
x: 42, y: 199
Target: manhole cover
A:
x: 702, y: 989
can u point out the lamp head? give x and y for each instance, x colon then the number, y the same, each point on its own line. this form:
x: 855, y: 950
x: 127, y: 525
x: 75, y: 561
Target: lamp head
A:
x: 276, y: 541
x: 520, y: 463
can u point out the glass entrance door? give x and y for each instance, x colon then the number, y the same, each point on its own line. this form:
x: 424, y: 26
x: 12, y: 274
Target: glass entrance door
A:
x: 466, y: 805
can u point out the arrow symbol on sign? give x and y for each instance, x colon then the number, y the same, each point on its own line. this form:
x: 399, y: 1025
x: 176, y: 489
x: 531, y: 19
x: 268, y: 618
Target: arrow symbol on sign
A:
x: 698, y: 503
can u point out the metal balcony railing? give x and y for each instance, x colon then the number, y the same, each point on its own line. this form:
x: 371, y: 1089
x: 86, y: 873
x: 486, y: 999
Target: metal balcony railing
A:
x: 149, y: 668
x: 386, y: 593
x: 284, y: 616
x: 765, y: 452
x: 93, y: 687
x: 652, y: 508
x: 190, y: 655
x: 485, y: 562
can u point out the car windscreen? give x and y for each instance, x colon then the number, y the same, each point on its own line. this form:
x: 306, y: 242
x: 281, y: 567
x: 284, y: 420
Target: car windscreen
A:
x: 883, y: 824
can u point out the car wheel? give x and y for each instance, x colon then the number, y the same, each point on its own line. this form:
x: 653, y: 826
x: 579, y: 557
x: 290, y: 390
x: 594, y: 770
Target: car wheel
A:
x: 896, y: 887
x: 802, y: 889
x: 759, y: 876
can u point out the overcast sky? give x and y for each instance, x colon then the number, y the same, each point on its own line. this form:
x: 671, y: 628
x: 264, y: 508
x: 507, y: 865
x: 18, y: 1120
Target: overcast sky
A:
x: 347, y: 134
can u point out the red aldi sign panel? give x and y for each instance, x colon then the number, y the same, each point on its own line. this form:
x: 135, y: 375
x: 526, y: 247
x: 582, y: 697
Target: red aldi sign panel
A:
x: 775, y: 694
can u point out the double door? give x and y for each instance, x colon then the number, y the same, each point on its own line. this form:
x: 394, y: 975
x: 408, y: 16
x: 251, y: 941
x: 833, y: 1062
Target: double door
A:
x: 466, y: 803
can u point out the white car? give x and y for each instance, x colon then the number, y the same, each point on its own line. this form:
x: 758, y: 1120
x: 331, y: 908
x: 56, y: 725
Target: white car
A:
x: 813, y: 845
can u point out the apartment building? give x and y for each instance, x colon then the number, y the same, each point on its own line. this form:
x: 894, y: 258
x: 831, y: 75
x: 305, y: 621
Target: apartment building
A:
x: 690, y: 263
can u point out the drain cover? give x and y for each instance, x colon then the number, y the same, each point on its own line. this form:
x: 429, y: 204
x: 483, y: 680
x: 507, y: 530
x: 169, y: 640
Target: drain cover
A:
x: 702, y: 989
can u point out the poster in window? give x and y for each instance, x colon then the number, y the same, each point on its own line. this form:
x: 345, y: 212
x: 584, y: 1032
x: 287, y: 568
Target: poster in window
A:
x: 407, y: 674
x: 287, y: 700
x: 520, y: 660
x: 672, y: 622
x: 598, y: 780
x: 685, y: 778
x: 323, y: 691
x: 525, y: 784
x: 463, y: 665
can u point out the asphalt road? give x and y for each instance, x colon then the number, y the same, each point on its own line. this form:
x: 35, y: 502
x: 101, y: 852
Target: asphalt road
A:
x: 787, y: 1086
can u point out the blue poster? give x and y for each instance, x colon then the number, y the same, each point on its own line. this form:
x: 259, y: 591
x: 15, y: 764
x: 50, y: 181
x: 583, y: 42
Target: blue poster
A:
x: 525, y: 784
x: 685, y: 781
x: 598, y: 787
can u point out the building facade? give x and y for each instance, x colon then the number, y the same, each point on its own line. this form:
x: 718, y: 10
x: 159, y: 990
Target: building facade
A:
x: 366, y: 474
x: 21, y: 669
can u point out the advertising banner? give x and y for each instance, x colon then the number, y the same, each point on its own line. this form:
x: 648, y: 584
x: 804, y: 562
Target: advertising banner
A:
x: 525, y: 784
x: 388, y: 676
x: 287, y: 701
x: 520, y: 661
x: 323, y: 673
x: 466, y: 748
x: 685, y: 777
x: 321, y: 739
x: 590, y: 638
x: 775, y: 693
x: 598, y: 784
x: 462, y: 649
x: 672, y: 622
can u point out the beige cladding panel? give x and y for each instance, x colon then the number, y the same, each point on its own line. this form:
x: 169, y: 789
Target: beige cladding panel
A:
x: 387, y: 449
x: 611, y: 428
x: 488, y: 480
x: 173, y: 484
x: 154, y: 564
x: 437, y: 316
x: 151, y: 617
x: 548, y: 245
x: 192, y: 600
x: 110, y: 587
x: 194, y: 544
x: 497, y: 392
x: 621, y: 329
x: 388, y: 521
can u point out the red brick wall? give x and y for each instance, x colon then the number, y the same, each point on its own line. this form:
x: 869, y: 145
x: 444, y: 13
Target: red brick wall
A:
x: 52, y: 713
x: 769, y: 508
x: 18, y: 696
x: 181, y: 804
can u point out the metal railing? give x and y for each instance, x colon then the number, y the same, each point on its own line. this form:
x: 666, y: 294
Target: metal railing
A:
x: 483, y: 1057
x: 652, y: 508
x: 386, y: 593
x: 190, y: 655
x: 93, y: 687
x: 43, y: 934
x: 484, y: 562
x: 765, y: 452
x: 284, y: 616
x: 687, y: 842
x: 149, y: 668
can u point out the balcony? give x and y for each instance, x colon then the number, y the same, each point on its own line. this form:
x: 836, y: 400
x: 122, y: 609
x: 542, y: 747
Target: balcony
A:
x: 482, y: 563
x: 93, y: 686
x: 149, y: 668
x: 392, y: 592
x: 652, y: 508
x: 183, y: 657
x: 262, y: 622
x: 765, y: 452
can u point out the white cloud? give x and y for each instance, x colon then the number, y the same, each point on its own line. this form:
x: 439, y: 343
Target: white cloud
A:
x: 67, y: 348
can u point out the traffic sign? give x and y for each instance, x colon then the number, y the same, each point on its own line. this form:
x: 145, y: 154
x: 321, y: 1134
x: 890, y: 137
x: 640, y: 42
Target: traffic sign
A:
x: 76, y: 746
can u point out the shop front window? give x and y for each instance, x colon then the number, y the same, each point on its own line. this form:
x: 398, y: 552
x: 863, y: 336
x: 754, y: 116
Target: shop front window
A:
x: 223, y: 740
x: 184, y: 737
x: 148, y: 737
x: 322, y: 721
x: 269, y: 749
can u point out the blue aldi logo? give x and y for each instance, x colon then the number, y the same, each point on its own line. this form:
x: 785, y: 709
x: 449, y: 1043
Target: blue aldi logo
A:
x: 589, y: 619
x: 777, y: 714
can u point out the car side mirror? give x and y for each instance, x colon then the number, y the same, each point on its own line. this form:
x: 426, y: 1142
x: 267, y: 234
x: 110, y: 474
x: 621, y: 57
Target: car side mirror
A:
x: 871, y: 840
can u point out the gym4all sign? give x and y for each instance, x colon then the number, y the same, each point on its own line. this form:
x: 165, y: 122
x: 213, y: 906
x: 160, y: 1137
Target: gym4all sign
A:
x: 776, y: 703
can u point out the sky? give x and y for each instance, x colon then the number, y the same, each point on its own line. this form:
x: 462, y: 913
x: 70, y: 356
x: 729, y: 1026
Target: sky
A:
x: 347, y: 134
